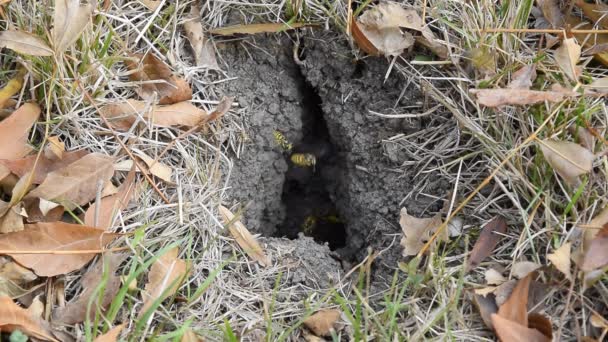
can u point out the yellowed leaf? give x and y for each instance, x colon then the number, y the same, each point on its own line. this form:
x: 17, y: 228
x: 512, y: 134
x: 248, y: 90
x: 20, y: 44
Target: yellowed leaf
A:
x: 416, y: 231
x: 25, y: 43
x: 158, y: 169
x: 165, y: 277
x: 13, y: 317
x: 12, y: 87
x: 561, y: 259
x: 54, y: 236
x: 257, y: 28
x: 76, y: 184
x: 568, y: 159
x: 123, y: 115
x: 54, y: 148
x: 204, y: 53
x: 322, y: 322
x: 15, y: 130
x: 111, y: 335
x: 70, y: 18
x: 567, y: 57
x: 243, y: 237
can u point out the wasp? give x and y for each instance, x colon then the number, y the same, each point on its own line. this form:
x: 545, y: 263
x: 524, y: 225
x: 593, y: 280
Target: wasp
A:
x: 282, y: 141
x: 303, y: 159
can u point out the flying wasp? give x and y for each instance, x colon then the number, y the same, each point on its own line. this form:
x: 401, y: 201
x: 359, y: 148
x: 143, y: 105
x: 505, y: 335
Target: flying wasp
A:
x: 282, y: 141
x: 304, y: 159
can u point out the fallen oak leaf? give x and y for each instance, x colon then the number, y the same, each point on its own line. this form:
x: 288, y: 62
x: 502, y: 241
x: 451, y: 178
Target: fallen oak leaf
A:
x: 54, y: 148
x: 204, y: 54
x: 552, y: 12
x: 76, y: 310
x: 486, y: 305
x: 589, y: 42
x: 490, y: 235
x: 505, y: 96
x: 13, y: 317
x: 387, y: 39
x: 596, y: 255
x: 164, y: 279
x: 542, y: 324
x: 76, y: 184
x: 561, y: 259
x: 54, y: 236
x: 243, y: 237
x: 25, y: 43
x: 70, y: 18
x: 43, y: 166
x: 14, y: 278
x: 523, y: 78
x: 322, y: 322
x: 515, y: 309
x: 156, y: 168
x: 514, y: 332
x: 123, y: 115
x: 15, y: 129
x: 567, y: 57
x: 416, y: 231
x: 568, y: 159
x: 148, y: 69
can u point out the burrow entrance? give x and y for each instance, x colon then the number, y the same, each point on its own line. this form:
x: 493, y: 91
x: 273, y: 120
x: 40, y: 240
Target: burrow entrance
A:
x: 308, y: 205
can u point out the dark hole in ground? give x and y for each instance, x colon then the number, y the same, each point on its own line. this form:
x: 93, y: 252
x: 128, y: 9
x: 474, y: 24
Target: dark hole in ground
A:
x: 309, y: 208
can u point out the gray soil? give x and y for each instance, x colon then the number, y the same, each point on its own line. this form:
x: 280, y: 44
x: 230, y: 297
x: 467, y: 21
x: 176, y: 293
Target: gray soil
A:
x: 322, y: 106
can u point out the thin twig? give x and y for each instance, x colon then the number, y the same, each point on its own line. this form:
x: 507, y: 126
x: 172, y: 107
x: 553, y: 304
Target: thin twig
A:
x: 513, y: 30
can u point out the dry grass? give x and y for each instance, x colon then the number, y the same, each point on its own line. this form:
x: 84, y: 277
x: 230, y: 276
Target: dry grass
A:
x: 464, y: 142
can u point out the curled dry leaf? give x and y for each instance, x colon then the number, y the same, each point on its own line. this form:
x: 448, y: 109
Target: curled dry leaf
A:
x: 523, y: 268
x: 561, y: 259
x: 490, y: 235
x: 523, y: 78
x: 43, y: 166
x: 77, y: 183
x: 243, y: 237
x: 568, y: 159
x: 54, y: 236
x: 12, y: 220
x: 505, y: 96
x: 111, y: 205
x: 567, y: 57
x: 123, y: 115
x: 257, y: 28
x: 204, y: 53
x: 416, y: 231
x: 13, y: 317
x: 54, y: 149
x: 15, y: 130
x: 111, y: 335
x: 596, y: 255
x: 322, y: 322
x: 515, y: 309
x: 14, y: 278
x: 76, y: 310
x: 25, y: 43
x: 158, y: 169
x: 166, y: 275
x: 70, y: 18
x: 390, y: 41
x: 158, y: 80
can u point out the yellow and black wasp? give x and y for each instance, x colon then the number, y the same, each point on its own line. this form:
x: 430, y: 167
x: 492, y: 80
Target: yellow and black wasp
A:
x: 304, y: 159
x: 282, y: 141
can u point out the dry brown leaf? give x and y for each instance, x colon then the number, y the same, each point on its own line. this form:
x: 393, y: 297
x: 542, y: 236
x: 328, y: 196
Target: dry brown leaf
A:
x: 561, y: 259
x: 123, y: 115
x: 515, y: 309
x: 15, y: 129
x: 417, y: 231
x: 152, y: 5
x: 21, y: 188
x: 76, y: 310
x: 13, y: 317
x: 389, y: 41
x: 110, y: 206
x: 70, y: 18
x: 568, y: 159
x: 567, y: 57
x: 158, y: 80
x: 322, y: 322
x: 361, y: 40
x: 585, y: 138
x: 493, y: 277
x: 12, y: 220
x: 594, y: 39
x: 243, y: 237
x: 600, y: 85
x: 552, y: 13
x: 595, y: 11
x: 54, y: 148
x: 204, y: 53
x: 190, y: 336
x: 111, y: 335
x: 54, y: 236
x: 541, y: 323
x: 44, y: 165
x: 485, y: 291
x: 486, y: 305
x: 523, y: 268
x: 158, y: 169
x: 13, y: 278
x: 505, y: 96
x: 257, y: 28
x: 25, y: 43
x: 596, y: 255
x: 166, y: 276
x: 489, y: 237
x: 523, y: 78
x: 77, y: 183
x: 109, y: 189
x: 514, y: 332
x: 42, y: 211
x: 12, y: 87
